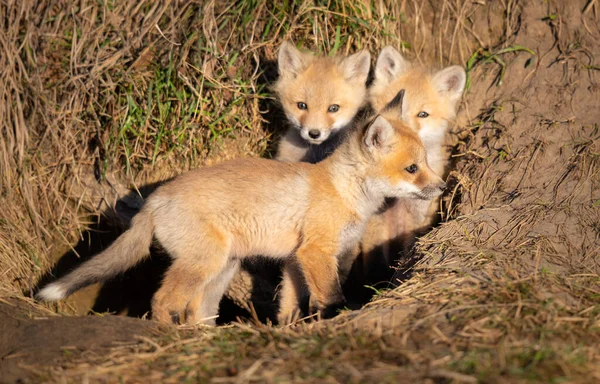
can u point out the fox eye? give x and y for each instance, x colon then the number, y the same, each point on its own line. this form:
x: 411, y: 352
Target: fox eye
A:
x: 333, y: 108
x: 423, y: 114
x: 302, y: 105
x: 412, y: 168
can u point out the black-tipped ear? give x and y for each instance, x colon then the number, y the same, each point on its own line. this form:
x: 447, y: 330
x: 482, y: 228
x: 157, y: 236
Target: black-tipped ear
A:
x: 396, y: 102
x: 356, y: 67
x: 290, y: 60
x: 450, y: 82
x: 390, y: 64
x: 379, y: 134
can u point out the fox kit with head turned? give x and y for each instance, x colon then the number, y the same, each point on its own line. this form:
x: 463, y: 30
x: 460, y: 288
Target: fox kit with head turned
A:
x: 211, y: 218
x: 428, y: 105
x: 292, y: 293
x: 321, y: 97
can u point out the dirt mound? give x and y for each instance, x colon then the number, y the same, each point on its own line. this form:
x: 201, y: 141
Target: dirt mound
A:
x: 29, y: 339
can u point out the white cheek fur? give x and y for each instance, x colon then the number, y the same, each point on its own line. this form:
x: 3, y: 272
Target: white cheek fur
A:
x: 340, y: 123
x: 432, y: 134
x: 405, y: 188
x: 385, y: 188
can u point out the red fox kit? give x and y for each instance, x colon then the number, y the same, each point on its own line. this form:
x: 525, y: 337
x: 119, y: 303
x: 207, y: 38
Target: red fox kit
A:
x: 211, y: 218
x: 292, y: 292
x: 428, y: 105
x: 320, y: 97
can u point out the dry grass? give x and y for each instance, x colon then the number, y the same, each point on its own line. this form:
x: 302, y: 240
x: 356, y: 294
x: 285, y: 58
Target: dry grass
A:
x: 97, y: 96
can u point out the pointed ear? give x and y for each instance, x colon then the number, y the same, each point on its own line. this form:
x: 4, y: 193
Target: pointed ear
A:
x: 379, y: 134
x: 396, y: 102
x: 356, y: 66
x: 290, y: 60
x: 390, y: 64
x: 451, y: 82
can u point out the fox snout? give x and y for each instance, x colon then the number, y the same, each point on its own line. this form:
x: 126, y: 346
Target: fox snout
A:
x: 314, y: 135
x: 433, y: 190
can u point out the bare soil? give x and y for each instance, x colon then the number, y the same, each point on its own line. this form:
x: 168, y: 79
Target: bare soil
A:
x: 29, y: 339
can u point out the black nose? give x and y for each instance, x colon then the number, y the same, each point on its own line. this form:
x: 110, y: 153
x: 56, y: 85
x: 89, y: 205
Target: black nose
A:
x: 314, y: 133
x: 442, y: 186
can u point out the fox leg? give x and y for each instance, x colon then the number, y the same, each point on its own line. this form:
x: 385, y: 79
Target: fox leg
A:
x: 319, y: 265
x: 346, y: 259
x: 293, y: 289
x: 292, y: 147
x: 190, y: 271
x: 170, y: 301
x: 204, y: 306
x: 291, y: 293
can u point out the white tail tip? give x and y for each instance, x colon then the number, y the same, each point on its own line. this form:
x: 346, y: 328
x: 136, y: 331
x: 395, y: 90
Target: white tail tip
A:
x: 52, y: 292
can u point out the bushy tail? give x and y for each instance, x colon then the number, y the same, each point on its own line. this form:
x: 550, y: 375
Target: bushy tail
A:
x: 125, y: 252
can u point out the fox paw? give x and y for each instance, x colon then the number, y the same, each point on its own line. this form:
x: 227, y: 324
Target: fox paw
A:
x: 330, y: 310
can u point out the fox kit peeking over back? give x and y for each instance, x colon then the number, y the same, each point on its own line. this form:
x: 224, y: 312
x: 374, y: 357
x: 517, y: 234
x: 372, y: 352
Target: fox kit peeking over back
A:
x: 320, y: 96
x: 210, y: 218
x: 428, y: 105
x: 429, y: 101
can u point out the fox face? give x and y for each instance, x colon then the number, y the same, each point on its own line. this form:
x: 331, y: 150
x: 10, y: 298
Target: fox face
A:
x: 320, y: 95
x: 430, y: 101
x: 400, y: 162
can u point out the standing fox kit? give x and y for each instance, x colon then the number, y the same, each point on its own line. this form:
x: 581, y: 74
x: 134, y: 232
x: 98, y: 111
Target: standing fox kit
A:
x: 320, y: 97
x: 210, y: 218
x: 428, y: 105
